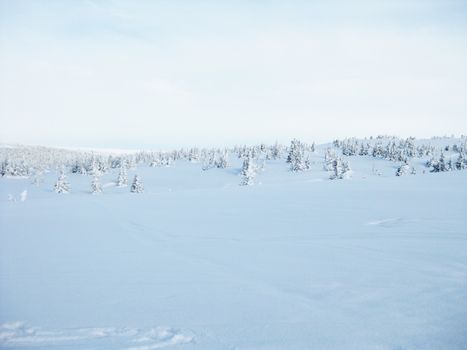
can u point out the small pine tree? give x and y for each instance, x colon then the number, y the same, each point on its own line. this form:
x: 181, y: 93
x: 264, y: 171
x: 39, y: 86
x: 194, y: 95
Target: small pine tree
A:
x: 276, y: 151
x: 137, y: 185
x: 122, y: 180
x: 96, y: 186
x: 223, y: 161
x: 296, y: 156
x: 403, y: 169
x: 329, y: 157
x: 346, y: 171
x: 62, y: 185
x: 336, y: 169
x: 248, y: 172
x: 429, y: 163
x: 441, y: 165
x: 461, y: 162
x: 209, y: 161
x: 340, y: 169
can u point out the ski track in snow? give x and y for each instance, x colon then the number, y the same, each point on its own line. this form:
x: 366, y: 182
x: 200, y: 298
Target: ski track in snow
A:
x: 387, y: 222
x: 19, y: 334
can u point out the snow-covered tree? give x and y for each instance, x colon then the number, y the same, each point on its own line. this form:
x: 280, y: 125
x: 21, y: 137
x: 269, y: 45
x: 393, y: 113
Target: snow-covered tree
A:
x: 340, y: 169
x: 276, y: 151
x: 248, y: 172
x: 96, y: 186
x: 223, y: 161
x: 193, y: 155
x: 78, y: 168
x: 137, y: 185
x: 346, y: 171
x: 336, y: 169
x: 349, y: 147
x: 403, y: 169
x: 441, y: 165
x: 363, y: 150
x: 122, y: 180
x: 429, y: 163
x: 461, y: 162
x: 296, y: 156
x: 62, y: 185
x: 209, y: 160
x: 329, y: 158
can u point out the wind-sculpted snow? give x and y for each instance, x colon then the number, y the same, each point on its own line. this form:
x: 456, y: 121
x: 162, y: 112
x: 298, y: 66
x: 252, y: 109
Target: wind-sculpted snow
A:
x: 196, y: 261
x: 20, y: 335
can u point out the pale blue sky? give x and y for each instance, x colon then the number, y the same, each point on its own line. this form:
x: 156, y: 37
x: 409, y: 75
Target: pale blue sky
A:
x: 171, y: 73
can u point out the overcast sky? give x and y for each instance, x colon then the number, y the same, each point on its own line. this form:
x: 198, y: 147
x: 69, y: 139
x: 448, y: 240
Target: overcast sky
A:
x: 173, y: 73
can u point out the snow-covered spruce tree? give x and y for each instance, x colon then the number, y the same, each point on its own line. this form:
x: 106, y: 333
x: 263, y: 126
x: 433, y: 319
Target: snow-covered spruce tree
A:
x: 78, y: 168
x: 115, y: 162
x: 378, y: 150
x: 441, y: 165
x: 96, y: 166
x: 193, y: 155
x: 363, y: 150
x: 336, y: 169
x: 403, y: 169
x: 340, y: 169
x: 430, y: 162
x: 223, y: 161
x: 155, y: 162
x: 312, y: 148
x: 349, y: 147
x: 62, y: 185
x: 296, y: 156
x: 346, y: 171
x: 122, y: 180
x: 14, y: 168
x: 329, y: 157
x: 276, y: 151
x: 4, y: 168
x: 167, y: 161
x: 409, y: 146
x: 248, y: 172
x: 137, y: 185
x: 461, y: 162
x: 96, y: 186
x: 209, y: 160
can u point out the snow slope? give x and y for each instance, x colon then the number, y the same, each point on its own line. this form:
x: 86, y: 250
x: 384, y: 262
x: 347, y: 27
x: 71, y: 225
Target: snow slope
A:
x: 296, y: 261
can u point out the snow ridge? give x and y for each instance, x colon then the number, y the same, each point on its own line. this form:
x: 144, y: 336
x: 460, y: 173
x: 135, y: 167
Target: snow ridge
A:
x: 19, y: 334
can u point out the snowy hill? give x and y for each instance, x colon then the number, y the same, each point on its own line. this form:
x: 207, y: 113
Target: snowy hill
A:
x: 369, y: 260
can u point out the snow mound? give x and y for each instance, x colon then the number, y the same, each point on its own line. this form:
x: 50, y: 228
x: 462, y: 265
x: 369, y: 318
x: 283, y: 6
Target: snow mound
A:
x: 19, y: 334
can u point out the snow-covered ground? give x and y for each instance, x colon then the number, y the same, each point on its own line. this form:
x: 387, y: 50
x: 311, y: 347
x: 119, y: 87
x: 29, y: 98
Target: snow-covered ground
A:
x: 296, y: 261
